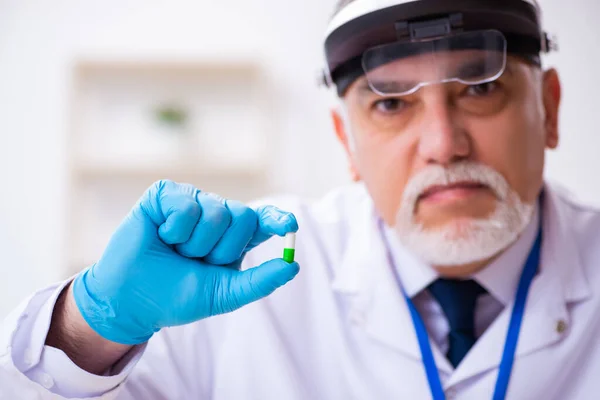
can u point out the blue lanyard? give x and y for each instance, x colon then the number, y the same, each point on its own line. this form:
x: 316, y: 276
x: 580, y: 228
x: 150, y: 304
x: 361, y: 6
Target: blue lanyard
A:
x: 512, y: 337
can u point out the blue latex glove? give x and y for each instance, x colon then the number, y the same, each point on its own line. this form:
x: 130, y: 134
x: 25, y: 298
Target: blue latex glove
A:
x: 175, y: 259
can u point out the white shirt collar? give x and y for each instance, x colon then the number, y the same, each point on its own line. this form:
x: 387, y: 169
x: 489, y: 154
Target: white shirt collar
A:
x: 500, y: 278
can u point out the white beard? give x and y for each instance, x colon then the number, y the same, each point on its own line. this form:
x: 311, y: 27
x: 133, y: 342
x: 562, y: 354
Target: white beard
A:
x: 466, y: 241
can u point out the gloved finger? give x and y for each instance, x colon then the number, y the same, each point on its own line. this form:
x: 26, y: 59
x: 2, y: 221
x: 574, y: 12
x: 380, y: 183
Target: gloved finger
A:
x: 244, y: 222
x: 272, y: 221
x: 173, y: 208
x: 211, y: 226
x: 245, y: 287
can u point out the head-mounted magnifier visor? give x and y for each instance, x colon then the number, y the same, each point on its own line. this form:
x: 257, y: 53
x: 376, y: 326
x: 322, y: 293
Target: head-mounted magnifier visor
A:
x: 402, y: 68
x: 381, y: 38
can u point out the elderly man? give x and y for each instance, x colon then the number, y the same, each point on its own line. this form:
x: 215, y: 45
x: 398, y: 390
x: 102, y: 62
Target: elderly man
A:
x: 450, y: 269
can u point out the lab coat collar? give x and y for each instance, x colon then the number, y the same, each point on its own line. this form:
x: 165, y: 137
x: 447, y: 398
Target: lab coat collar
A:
x: 376, y: 299
x: 560, y: 282
x: 362, y: 235
x: 377, y: 302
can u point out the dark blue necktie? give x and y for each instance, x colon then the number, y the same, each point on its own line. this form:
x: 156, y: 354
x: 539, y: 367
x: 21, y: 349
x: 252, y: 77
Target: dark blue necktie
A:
x: 457, y: 299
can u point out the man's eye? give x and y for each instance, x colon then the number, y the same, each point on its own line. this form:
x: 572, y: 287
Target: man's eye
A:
x: 389, y: 105
x: 482, y: 89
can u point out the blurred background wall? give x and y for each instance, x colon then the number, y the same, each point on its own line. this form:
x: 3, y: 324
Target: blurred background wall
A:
x: 99, y: 99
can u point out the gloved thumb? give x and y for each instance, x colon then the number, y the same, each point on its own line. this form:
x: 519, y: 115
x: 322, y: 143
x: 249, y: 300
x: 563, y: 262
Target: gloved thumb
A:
x: 255, y: 283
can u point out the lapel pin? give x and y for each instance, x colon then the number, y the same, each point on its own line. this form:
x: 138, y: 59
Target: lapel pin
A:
x: 561, y: 326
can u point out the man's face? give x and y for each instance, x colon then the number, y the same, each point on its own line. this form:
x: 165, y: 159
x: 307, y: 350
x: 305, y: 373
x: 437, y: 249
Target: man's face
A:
x: 504, y: 125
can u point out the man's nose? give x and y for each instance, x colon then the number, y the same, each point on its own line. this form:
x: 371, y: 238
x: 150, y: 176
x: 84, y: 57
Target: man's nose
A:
x: 443, y: 139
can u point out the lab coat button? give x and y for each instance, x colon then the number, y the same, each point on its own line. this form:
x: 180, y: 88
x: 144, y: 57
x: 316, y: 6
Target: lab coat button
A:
x: 561, y: 326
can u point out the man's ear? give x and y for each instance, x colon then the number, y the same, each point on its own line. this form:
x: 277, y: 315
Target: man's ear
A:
x: 552, y: 95
x: 341, y: 132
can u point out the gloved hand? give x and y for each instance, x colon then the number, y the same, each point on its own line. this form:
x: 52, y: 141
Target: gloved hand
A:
x: 175, y: 259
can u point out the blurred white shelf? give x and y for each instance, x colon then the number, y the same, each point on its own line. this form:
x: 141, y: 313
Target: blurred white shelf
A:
x: 217, y: 135
x: 178, y: 169
x: 232, y: 64
x: 223, y: 111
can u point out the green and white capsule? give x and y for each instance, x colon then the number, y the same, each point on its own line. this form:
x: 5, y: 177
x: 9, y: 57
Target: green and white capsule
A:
x: 289, y: 248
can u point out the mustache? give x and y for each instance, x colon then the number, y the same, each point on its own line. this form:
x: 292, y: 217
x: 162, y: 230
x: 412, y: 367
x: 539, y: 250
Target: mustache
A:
x: 464, y: 172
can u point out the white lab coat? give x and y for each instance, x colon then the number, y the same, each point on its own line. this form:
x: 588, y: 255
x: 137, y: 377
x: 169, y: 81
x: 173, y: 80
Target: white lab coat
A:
x: 341, y: 329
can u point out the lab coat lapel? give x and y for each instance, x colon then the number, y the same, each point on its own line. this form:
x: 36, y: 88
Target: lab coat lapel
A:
x: 372, y: 288
x: 542, y: 312
x: 388, y: 318
x: 559, y: 283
